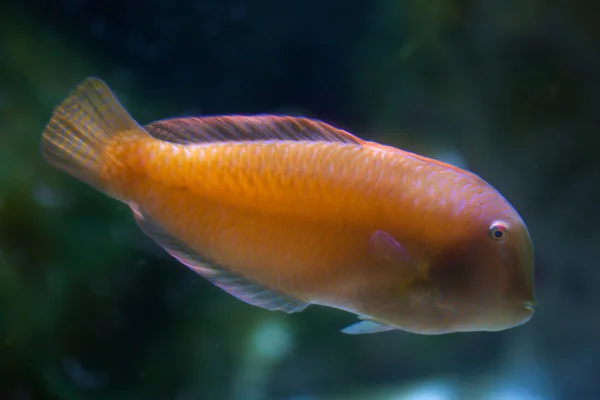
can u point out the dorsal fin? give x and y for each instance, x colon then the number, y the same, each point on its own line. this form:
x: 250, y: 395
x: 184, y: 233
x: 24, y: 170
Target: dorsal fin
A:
x: 246, y: 128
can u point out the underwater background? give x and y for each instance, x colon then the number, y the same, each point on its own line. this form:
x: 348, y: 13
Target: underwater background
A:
x: 90, y: 308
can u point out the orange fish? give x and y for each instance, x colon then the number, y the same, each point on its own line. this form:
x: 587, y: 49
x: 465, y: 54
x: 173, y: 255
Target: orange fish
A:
x: 284, y: 212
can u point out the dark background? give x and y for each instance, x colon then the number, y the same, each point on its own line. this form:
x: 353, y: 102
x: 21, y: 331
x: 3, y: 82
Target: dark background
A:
x: 92, y: 309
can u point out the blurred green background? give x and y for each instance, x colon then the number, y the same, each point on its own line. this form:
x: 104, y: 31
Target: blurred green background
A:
x: 92, y: 309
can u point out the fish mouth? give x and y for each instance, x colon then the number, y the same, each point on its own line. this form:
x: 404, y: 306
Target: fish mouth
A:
x: 528, y: 311
x: 529, y: 308
x: 529, y: 305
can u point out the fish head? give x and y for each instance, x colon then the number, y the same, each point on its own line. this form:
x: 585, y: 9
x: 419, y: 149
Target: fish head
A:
x: 484, y: 278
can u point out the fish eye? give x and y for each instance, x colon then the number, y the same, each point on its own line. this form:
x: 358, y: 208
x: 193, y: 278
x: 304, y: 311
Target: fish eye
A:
x: 498, y: 230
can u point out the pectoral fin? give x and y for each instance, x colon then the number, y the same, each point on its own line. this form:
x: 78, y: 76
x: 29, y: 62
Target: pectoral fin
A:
x: 366, y: 326
x: 388, y: 250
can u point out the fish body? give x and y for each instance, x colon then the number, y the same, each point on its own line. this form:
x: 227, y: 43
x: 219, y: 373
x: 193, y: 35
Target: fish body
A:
x: 284, y: 212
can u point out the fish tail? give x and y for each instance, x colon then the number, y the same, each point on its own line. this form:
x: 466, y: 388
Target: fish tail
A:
x: 76, y: 137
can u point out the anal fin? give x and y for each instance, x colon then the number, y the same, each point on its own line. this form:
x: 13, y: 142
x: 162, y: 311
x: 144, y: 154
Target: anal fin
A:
x: 244, y: 289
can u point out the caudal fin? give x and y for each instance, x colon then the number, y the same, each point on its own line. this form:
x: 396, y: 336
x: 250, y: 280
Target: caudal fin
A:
x: 80, y: 127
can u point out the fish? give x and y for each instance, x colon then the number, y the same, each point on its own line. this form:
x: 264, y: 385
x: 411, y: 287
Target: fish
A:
x: 284, y: 212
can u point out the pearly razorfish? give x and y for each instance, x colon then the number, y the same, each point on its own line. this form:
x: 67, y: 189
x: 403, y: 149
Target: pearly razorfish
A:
x: 283, y: 212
